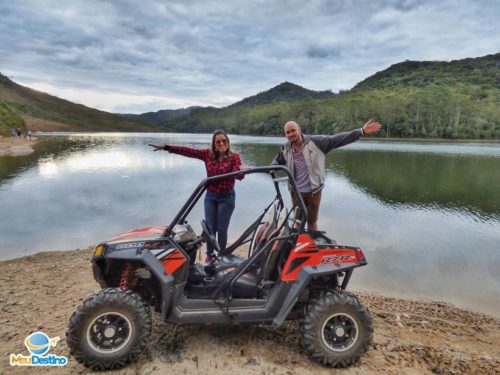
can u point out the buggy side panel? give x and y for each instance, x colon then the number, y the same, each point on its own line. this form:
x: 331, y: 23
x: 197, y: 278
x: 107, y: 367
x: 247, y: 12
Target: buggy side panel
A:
x: 167, y: 281
x: 302, y: 281
x: 173, y: 261
x: 222, y: 311
x: 307, y: 253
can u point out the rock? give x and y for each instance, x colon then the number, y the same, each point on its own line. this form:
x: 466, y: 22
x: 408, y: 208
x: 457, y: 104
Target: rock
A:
x: 251, y: 362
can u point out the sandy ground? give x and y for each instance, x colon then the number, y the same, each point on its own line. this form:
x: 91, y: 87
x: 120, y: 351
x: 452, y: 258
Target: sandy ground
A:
x: 16, y: 146
x: 41, y: 291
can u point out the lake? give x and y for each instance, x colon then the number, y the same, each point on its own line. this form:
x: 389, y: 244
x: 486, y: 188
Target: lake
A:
x: 427, y: 215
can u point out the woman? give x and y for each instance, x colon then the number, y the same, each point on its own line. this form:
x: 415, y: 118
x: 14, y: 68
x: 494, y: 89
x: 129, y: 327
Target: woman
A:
x: 220, y: 196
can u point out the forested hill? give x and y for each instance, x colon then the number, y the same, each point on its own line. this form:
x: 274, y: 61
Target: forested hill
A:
x: 458, y: 99
x: 41, y: 111
x: 481, y: 71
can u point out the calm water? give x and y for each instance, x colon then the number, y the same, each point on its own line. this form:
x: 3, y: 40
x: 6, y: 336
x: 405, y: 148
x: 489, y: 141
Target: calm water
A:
x: 427, y: 215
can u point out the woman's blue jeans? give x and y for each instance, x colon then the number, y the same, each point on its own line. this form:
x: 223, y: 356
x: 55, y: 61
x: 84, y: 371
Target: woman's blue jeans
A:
x: 218, y: 210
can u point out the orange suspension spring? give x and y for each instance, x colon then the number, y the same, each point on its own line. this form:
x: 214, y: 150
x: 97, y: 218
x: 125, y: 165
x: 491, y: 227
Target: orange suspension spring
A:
x: 127, y: 278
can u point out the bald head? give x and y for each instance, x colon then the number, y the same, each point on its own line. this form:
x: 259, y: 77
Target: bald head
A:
x: 293, y: 132
x: 291, y: 124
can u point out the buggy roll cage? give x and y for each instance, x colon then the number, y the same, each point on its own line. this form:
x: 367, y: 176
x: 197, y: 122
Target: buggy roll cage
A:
x: 180, y: 218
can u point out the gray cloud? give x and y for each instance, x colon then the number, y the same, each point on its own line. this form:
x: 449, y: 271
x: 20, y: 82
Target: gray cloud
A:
x: 159, y: 55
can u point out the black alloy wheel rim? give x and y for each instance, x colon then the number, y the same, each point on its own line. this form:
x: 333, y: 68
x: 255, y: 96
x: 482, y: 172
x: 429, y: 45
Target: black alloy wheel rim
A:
x: 340, y: 332
x: 109, y: 332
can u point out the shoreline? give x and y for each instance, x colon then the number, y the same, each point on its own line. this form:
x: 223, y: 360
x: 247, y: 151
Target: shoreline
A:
x: 11, y: 146
x: 39, y: 292
x: 368, y: 138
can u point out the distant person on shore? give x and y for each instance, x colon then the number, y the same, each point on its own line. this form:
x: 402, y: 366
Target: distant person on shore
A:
x: 29, y: 134
x: 305, y: 155
x: 220, y: 197
x: 18, y: 132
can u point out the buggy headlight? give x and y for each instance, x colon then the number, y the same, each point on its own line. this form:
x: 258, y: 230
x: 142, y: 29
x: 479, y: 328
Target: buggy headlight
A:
x: 99, y: 250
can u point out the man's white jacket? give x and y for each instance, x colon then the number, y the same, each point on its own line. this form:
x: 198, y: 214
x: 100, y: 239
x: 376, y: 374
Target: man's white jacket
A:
x: 314, y: 148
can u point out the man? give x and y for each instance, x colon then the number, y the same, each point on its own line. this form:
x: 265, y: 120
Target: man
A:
x: 304, y: 155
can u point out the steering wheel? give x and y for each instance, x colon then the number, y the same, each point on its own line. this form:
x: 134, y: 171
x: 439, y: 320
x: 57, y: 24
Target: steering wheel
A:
x: 209, y: 236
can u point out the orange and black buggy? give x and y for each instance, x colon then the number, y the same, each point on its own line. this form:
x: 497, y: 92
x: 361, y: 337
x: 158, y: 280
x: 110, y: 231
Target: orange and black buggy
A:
x: 285, y: 272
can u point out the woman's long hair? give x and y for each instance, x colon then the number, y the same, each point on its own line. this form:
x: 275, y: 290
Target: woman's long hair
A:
x: 214, y: 153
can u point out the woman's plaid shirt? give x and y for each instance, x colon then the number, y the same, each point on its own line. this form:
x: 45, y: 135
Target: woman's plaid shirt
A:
x: 213, y: 166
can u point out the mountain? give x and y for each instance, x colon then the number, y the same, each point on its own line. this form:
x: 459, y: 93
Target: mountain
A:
x: 160, y: 117
x: 45, y: 112
x: 176, y: 119
x: 243, y: 117
x: 285, y: 91
x: 429, y: 99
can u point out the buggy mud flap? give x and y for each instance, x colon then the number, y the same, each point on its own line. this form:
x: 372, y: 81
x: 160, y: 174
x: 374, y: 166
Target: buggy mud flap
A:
x: 98, y: 276
x: 166, y: 281
x: 302, y: 281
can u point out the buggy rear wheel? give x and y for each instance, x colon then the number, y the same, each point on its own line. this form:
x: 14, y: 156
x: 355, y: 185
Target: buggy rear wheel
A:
x: 337, y: 329
x: 110, y: 329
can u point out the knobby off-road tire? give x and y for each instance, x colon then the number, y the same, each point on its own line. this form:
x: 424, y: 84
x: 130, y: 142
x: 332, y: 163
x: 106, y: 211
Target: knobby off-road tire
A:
x: 337, y: 329
x: 109, y: 329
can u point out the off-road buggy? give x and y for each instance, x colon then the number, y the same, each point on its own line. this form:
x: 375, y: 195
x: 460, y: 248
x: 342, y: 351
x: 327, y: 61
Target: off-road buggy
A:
x: 287, y: 273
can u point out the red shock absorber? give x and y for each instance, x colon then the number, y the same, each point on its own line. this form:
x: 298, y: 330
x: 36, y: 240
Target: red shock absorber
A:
x: 127, y: 278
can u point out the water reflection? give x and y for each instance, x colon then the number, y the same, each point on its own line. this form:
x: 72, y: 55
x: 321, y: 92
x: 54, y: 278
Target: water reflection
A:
x: 427, y: 251
x: 447, y: 180
x: 428, y: 218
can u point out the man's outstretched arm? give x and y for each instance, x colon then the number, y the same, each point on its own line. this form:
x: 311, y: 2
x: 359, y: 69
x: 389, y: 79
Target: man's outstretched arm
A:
x: 326, y: 143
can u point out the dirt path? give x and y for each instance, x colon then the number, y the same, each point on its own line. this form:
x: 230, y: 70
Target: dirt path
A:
x: 40, y: 292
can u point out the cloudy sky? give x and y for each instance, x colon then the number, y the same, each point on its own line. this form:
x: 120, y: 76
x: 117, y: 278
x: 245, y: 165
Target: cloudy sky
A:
x: 134, y: 57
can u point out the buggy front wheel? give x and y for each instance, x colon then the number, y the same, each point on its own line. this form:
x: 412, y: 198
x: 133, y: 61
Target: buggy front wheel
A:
x: 110, y: 329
